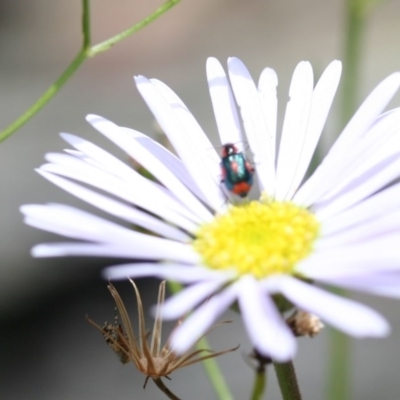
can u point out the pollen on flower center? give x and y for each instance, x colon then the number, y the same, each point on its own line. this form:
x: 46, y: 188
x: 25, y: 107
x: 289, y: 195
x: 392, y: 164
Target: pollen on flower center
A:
x: 258, y: 238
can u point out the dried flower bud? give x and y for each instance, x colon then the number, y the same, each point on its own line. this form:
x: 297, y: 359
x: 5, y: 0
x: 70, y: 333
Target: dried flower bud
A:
x: 303, y: 323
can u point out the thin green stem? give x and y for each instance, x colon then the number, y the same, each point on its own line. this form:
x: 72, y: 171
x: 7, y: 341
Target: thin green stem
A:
x: 287, y: 381
x: 339, y: 364
x: 339, y: 371
x: 260, y: 379
x: 357, y: 12
x: 355, y: 27
x: 103, y: 46
x: 86, y: 31
x: 339, y: 383
x: 85, y: 52
x: 60, y: 82
x: 260, y: 384
x: 213, y: 372
x: 44, y: 98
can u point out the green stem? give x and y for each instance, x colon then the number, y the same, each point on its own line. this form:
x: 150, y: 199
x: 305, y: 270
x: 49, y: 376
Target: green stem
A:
x: 85, y: 52
x: 213, y: 372
x: 339, y: 364
x: 339, y: 383
x: 60, y: 82
x: 287, y: 381
x: 357, y: 12
x: 86, y: 33
x: 355, y: 27
x: 260, y: 380
x: 44, y: 98
x: 260, y: 383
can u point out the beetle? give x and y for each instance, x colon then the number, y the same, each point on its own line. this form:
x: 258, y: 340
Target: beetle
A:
x: 237, y: 173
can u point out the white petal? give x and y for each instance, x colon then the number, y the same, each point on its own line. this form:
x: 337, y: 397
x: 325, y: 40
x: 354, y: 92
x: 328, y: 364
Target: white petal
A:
x: 349, y: 316
x: 381, y: 204
x: 116, y: 208
x: 174, y: 272
x: 387, y: 225
x: 363, y: 119
x: 170, y: 160
x: 74, y: 223
x: 379, y: 283
x: 294, y: 128
x: 77, y: 224
x: 255, y: 125
x: 363, y: 187
x: 151, y: 163
x: 195, y: 326
x: 223, y: 104
x: 138, y: 190
x: 322, y: 98
x: 379, y: 143
x: 100, y: 157
x: 269, y: 102
x: 375, y: 255
x: 206, y: 173
x: 187, y: 299
x: 265, y: 326
x: 187, y: 137
x: 134, y: 185
x: 113, y: 250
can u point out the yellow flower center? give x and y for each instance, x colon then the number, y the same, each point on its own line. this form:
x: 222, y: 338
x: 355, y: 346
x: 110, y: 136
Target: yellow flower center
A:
x: 259, y: 238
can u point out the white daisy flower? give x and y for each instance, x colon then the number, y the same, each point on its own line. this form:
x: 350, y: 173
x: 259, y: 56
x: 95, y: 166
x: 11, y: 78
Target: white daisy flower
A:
x: 339, y: 227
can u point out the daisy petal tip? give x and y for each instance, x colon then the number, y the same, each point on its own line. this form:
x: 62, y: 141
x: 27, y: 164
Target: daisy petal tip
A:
x: 212, y: 61
x: 235, y: 63
x: 63, y: 135
x: 305, y: 64
x: 93, y: 118
x: 273, y: 75
x: 29, y: 210
x: 42, y: 170
x: 287, y: 351
x: 24, y: 209
x: 335, y: 68
x: 141, y: 80
x: 165, y: 312
x: 105, y: 274
x: 41, y: 251
x: 380, y: 329
x: 180, y: 344
x: 369, y: 325
x: 111, y: 273
x: 393, y: 80
x: 280, y: 354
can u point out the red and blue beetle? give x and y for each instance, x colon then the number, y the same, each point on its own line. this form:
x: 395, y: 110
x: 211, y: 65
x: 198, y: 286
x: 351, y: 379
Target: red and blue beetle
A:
x: 237, y: 173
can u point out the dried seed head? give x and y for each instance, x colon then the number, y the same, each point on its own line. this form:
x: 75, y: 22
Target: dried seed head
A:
x: 152, y: 359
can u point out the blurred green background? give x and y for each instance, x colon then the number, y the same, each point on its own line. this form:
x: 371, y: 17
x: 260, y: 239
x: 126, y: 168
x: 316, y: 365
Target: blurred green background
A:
x: 47, y: 349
